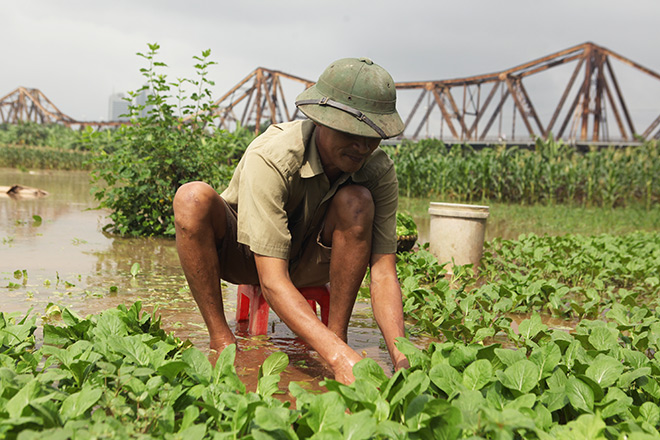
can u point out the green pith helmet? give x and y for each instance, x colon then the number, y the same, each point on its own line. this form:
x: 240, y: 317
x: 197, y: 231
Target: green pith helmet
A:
x: 354, y: 96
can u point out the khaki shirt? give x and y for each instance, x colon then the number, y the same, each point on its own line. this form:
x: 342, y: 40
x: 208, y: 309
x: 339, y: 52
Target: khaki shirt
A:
x: 281, y: 193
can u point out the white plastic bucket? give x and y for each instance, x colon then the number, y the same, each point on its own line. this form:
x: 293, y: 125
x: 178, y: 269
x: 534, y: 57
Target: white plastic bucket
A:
x: 457, y: 232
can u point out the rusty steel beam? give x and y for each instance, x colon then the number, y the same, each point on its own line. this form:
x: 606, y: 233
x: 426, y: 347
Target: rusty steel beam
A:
x: 266, y: 100
x: 652, y: 127
x: 481, y: 111
x: 615, y: 110
x: 511, y: 83
x: 495, y: 113
x: 560, y: 105
x: 622, y: 101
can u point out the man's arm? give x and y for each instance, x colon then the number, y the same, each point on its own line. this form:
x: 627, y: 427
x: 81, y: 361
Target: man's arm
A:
x: 294, y: 310
x: 387, y: 304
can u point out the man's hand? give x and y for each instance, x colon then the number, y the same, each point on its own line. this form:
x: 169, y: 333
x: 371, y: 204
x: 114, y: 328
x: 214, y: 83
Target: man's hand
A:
x: 294, y: 310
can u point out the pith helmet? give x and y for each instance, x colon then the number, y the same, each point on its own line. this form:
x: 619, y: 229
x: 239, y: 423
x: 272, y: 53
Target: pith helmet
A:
x: 355, y: 96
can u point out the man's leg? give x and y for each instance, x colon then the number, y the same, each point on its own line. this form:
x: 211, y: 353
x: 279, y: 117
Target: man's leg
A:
x: 201, y: 220
x: 348, y: 227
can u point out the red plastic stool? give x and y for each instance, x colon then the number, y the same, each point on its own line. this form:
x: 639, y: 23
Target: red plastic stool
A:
x: 252, y: 306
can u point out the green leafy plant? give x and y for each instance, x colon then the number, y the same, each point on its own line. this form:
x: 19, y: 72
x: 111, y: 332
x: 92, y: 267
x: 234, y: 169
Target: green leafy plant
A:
x: 118, y: 374
x: 170, y: 141
x: 405, y: 225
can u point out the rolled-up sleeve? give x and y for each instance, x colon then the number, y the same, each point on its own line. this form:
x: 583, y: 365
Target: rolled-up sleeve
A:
x: 379, y: 176
x: 262, y: 220
x: 386, y: 199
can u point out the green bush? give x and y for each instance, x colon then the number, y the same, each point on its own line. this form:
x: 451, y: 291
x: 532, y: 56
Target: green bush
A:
x: 138, y: 168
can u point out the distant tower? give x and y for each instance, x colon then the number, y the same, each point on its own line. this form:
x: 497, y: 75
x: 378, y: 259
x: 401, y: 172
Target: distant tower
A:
x: 118, y: 108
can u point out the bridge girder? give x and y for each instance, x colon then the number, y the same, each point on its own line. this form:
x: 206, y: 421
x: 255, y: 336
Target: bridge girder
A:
x: 31, y: 105
x: 470, y: 107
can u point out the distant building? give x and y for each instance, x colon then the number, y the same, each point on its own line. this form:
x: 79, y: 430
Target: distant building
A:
x: 141, y: 100
x: 118, y: 107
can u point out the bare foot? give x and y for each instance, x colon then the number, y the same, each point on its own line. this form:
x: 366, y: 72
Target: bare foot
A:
x: 401, y: 363
x: 217, y: 345
x: 220, y: 344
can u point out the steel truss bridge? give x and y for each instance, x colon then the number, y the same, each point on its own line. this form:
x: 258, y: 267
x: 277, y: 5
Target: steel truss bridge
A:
x: 31, y: 105
x: 588, y: 105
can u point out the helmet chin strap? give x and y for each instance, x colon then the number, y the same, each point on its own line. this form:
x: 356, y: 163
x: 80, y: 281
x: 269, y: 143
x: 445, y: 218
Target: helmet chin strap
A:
x: 343, y: 107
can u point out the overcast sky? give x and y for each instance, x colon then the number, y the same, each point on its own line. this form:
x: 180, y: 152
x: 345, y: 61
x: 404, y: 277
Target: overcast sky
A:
x: 79, y: 52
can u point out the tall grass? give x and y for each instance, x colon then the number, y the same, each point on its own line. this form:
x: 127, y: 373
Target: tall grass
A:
x: 41, y: 135
x: 550, y: 173
x: 45, y: 158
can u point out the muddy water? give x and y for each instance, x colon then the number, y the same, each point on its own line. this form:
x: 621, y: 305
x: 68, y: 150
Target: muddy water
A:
x: 70, y: 262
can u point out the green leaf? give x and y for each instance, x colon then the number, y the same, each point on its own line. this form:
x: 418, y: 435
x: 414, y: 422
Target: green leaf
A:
x: 529, y: 328
x: 133, y: 348
x: 616, y: 402
x: 22, y: 398
x: 170, y: 369
x: 509, y: 357
x: 224, y: 370
x: 110, y: 325
x: 524, y: 401
x: 415, y: 416
x: 190, y: 414
x: 369, y: 370
x: 605, y: 370
x: 199, y: 367
x: 416, y: 383
x: 415, y: 356
x: 326, y: 412
x: 194, y: 432
x: 447, y: 379
x: 627, y: 378
x: 359, y: 426
x: 554, y: 399
x: 76, y: 404
x: 268, y: 385
x: 547, y: 357
x: 276, y: 363
x: 580, y: 395
x: 49, y: 414
x: 272, y: 419
x: 470, y: 402
x: 135, y: 269
x: 521, y: 376
x: 269, y: 373
x: 585, y: 427
x: 478, y: 374
x: 603, y: 338
x: 70, y: 318
x: 542, y: 417
x: 650, y: 413
x: 462, y: 356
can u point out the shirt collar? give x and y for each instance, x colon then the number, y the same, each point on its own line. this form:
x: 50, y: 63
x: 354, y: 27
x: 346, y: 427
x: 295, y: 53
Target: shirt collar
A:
x: 311, y: 165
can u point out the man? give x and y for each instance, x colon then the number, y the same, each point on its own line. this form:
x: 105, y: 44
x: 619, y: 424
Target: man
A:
x: 310, y: 202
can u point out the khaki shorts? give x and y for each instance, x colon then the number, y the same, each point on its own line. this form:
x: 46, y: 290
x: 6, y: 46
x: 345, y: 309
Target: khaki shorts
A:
x: 310, y: 268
